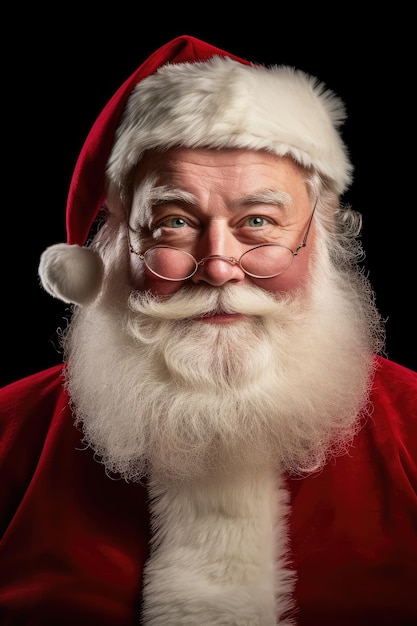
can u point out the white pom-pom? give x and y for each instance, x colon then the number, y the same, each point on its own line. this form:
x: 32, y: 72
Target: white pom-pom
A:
x: 71, y: 273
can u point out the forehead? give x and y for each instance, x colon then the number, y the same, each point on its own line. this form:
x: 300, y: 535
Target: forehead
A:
x: 199, y: 167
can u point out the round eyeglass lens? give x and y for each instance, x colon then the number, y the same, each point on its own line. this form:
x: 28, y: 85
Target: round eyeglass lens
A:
x: 169, y: 263
x: 267, y: 261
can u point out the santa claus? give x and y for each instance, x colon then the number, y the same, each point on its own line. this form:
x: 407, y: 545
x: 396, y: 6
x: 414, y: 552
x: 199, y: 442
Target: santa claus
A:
x: 222, y: 444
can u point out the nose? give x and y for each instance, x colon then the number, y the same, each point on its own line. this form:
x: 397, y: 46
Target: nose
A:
x: 217, y: 270
x: 218, y: 253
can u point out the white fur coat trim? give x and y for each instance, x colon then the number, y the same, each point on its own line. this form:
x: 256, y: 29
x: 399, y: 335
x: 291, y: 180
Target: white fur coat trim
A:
x: 219, y: 554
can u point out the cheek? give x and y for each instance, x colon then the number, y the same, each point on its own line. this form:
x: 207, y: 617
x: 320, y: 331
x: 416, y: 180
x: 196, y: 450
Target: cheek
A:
x: 162, y: 287
x: 295, y: 277
x: 142, y: 280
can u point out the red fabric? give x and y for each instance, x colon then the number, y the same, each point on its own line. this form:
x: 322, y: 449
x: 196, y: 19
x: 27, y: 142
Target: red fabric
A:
x: 74, y: 540
x: 354, y: 526
x: 86, y: 194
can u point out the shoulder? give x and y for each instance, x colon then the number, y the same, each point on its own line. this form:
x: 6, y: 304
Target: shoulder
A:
x: 394, y: 404
x: 391, y: 371
x: 394, y: 383
x: 32, y: 403
x: 34, y: 388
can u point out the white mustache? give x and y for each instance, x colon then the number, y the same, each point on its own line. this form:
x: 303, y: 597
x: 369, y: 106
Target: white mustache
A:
x: 193, y: 302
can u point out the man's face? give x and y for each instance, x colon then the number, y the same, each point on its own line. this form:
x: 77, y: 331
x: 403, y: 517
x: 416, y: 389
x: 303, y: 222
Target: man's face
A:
x: 209, y: 202
x: 228, y: 371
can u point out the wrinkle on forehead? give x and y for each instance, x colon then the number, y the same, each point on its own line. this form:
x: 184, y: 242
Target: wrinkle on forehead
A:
x: 155, y: 171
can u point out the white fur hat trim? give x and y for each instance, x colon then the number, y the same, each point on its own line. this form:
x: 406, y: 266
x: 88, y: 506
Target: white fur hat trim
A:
x: 222, y: 103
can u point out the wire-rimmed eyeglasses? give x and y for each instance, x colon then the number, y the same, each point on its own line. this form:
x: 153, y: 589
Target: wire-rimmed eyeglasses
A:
x: 266, y: 260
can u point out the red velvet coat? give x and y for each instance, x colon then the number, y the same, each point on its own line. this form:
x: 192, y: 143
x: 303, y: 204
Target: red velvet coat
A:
x: 74, y: 540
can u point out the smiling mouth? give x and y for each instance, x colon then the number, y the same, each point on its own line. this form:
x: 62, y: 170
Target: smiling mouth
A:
x: 219, y: 317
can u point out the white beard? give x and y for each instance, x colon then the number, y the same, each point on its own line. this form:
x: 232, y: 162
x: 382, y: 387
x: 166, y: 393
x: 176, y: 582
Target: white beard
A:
x: 157, y: 392
x: 210, y: 415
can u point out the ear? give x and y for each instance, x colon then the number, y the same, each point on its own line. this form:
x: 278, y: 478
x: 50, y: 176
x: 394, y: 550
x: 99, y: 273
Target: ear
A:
x: 71, y: 273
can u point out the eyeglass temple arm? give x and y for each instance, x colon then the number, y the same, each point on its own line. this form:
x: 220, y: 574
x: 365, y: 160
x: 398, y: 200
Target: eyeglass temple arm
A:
x: 304, y: 242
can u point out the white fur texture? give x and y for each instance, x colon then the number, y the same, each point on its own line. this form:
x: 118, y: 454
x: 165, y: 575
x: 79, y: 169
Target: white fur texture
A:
x: 218, y: 553
x: 222, y: 103
x: 71, y: 273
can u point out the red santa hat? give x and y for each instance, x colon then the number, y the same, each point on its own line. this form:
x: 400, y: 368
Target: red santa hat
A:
x: 192, y: 94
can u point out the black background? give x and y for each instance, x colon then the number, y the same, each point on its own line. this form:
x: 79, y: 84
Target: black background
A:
x: 59, y: 71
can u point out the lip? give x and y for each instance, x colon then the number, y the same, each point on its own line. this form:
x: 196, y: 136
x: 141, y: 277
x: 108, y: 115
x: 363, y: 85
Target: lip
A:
x: 219, y: 318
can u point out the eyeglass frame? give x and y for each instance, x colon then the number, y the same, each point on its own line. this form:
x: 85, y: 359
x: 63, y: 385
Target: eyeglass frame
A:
x: 231, y: 260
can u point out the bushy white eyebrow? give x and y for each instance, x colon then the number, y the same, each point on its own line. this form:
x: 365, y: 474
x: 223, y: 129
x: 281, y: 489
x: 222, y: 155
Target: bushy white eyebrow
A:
x: 267, y: 196
x: 168, y: 194
x: 149, y: 193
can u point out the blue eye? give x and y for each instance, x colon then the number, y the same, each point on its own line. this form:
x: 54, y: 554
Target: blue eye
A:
x: 176, y: 222
x: 256, y: 221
